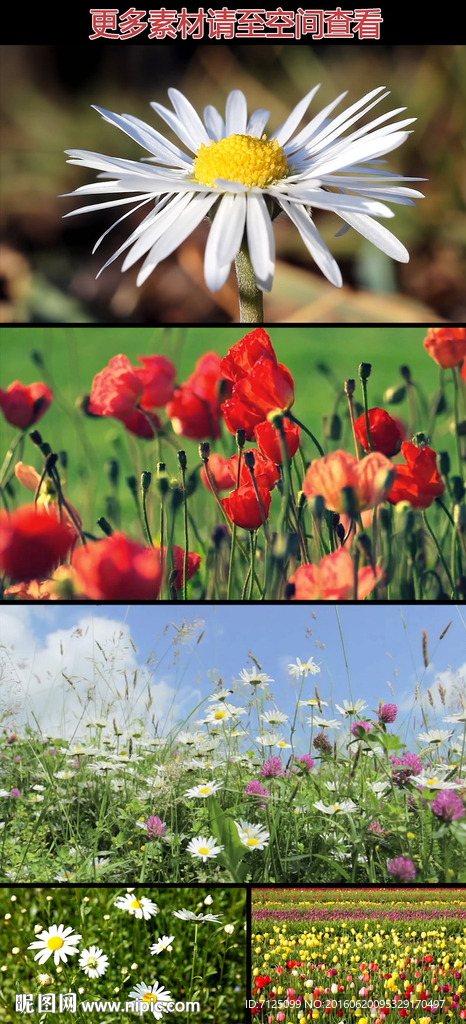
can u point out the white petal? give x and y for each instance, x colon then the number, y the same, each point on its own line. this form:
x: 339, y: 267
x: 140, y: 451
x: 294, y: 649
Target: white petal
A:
x: 313, y: 242
x: 110, y: 203
x: 112, y: 164
x: 288, y: 127
x: 143, y: 134
x: 310, y: 129
x: 257, y: 123
x: 261, y: 241
x: 185, y: 224
x: 363, y: 149
x: 351, y: 114
x: 189, y: 116
x: 224, y: 241
x: 378, y: 235
x: 192, y: 139
x: 334, y: 201
x: 236, y: 113
x: 214, y: 123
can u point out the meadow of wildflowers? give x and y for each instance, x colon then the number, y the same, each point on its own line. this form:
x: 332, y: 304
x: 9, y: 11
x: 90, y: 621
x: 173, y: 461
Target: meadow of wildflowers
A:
x: 110, y: 953
x: 239, y: 790
x: 370, y: 508
x: 362, y: 955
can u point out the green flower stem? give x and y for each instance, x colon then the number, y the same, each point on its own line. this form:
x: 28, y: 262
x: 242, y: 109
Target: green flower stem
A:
x: 439, y: 550
x: 251, y: 306
x: 456, y: 396
x: 289, y: 415
x: 18, y: 442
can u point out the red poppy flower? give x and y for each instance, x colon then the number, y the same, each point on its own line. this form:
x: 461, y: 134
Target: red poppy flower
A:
x: 447, y: 345
x: 243, y: 508
x: 194, y: 562
x: 158, y: 377
x: 260, y: 384
x: 117, y: 567
x: 329, y: 475
x: 141, y: 424
x: 333, y: 579
x: 222, y: 471
x: 419, y: 481
x: 194, y: 409
x: 268, y: 439
x: 117, y: 390
x: 386, y: 432
x: 225, y: 471
x: 32, y: 542
x: 24, y: 404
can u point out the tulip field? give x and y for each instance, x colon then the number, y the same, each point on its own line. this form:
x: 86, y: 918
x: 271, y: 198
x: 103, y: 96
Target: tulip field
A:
x: 212, y: 487
x: 368, y: 956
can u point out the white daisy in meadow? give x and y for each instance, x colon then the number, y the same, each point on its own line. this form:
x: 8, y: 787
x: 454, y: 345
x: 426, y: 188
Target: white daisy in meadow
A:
x: 325, y: 723
x: 64, y: 775
x: 254, y: 678
x: 351, y: 707
x: 189, y: 915
x: 142, y: 907
x: 268, y: 739
x: 255, y: 837
x: 274, y: 717
x: 436, y: 783
x: 435, y: 736
x: 155, y: 996
x: 223, y: 712
x: 250, y: 177
x: 203, y: 790
x: 459, y: 716
x: 303, y: 668
x: 312, y: 702
x: 56, y: 941
x: 344, y: 807
x: 165, y: 942
x: 93, y: 962
x: 205, y: 848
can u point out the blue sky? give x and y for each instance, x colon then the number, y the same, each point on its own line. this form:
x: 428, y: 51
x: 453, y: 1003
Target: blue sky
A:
x: 383, y: 645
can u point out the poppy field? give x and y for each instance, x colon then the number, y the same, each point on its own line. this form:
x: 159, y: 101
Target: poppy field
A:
x: 358, y: 955
x: 217, y: 490
x: 109, y: 953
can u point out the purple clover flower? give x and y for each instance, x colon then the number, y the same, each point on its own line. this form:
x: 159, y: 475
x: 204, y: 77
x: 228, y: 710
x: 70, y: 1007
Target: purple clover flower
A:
x: 255, y: 788
x: 448, y: 805
x: 15, y: 792
x: 402, y: 868
x: 406, y: 766
x: 360, y: 725
x: 155, y: 827
x: 306, y: 760
x: 273, y: 768
x: 388, y: 713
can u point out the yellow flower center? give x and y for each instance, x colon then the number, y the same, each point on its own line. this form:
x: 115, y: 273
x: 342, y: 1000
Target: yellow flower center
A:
x: 205, y: 789
x: 55, y: 942
x: 149, y: 997
x: 137, y: 905
x: 252, y: 841
x: 220, y: 714
x: 204, y: 850
x: 431, y: 782
x: 253, y: 162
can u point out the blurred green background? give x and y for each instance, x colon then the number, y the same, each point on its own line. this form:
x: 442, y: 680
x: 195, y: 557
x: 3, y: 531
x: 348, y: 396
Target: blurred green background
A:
x: 48, y: 272
x: 320, y: 359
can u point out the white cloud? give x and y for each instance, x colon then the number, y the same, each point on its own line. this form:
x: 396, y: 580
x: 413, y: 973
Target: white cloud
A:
x: 61, y: 679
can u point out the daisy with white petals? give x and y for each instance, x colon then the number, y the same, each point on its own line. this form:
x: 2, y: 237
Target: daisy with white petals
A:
x: 205, y: 848
x: 154, y: 996
x: 163, y: 943
x: 231, y: 168
x: 204, y: 789
x: 255, y: 837
x: 56, y: 941
x: 189, y: 915
x: 93, y: 962
x: 302, y: 669
x: 142, y: 907
x: 254, y: 678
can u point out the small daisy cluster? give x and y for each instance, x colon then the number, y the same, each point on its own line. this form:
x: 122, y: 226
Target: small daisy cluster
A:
x: 62, y: 943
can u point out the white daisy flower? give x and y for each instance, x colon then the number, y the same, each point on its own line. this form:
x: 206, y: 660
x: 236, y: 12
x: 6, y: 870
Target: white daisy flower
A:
x: 188, y: 915
x: 163, y: 943
x: 205, y: 848
x: 222, y: 712
x: 254, y: 678
x: 204, y: 789
x: 435, y: 736
x: 56, y: 941
x: 351, y: 707
x: 325, y: 723
x: 312, y: 702
x: 268, y: 739
x: 459, y: 716
x: 303, y: 668
x: 93, y: 962
x: 435, y: 783
x: 274, y: 717
x: 64, y: 775
x: 345, y: 806
x: 255, y: 837
x: 155, y: 996
x: 142, y: 907
x: 250, y: 177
